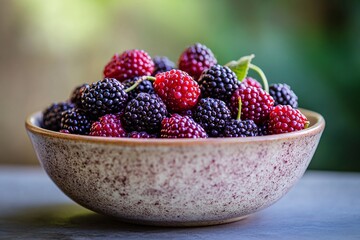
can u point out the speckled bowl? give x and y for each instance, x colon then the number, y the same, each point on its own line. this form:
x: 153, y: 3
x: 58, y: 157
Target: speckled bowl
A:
x: 177, y: 182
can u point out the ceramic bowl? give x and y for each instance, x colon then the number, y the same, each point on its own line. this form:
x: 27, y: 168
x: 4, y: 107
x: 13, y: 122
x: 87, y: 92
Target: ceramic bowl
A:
x: 176, y: 182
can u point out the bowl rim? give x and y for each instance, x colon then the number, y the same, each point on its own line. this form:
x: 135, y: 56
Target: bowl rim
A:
x: 315, y: 128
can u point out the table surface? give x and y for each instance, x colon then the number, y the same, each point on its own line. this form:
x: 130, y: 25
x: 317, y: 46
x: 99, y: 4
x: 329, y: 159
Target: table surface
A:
x: 322, y: 205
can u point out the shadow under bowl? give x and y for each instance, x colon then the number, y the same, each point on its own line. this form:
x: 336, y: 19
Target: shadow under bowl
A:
x: 176, y: 182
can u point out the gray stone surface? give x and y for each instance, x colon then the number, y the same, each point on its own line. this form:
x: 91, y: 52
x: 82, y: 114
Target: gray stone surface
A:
x: 323, y: 205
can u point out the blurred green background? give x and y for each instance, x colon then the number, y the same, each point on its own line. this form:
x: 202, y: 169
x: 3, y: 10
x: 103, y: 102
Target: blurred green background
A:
x: 49, y: 47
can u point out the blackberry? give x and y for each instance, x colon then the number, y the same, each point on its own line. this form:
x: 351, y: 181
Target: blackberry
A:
x: 144, y: 113
x: 103, y: 97
x: 181, y: 127
x: 76, y: 95
x: 141, y: 135
x: 195, y: 59
x: 263, y: 129
x: 212, y: 114
x: 52, y: 115
x: 237, y: 128
x: 256, y: 103
x: 108, y: 125
x: 251, y: 82
x: 283, y: 95
x: 162, y: 64
x: 75, y: 121
x: 218, y: 82
x: 129, y: 64
x: 145, y: 86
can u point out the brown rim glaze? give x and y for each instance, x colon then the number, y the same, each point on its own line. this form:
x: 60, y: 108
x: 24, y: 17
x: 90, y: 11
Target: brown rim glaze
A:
x: 317, y: 124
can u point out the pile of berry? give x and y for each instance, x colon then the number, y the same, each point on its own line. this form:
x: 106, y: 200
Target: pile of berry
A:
x: 144, y: 97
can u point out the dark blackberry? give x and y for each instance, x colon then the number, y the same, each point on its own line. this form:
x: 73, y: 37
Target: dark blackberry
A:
x: 76, y: 95
x: 52, y: 115
x: 181, y: 127
x: 141, y: 135
x: 103, y: 97
x: 218, y: 82
x: 162, y: 64
x: 212, y: 114
x: 76, y: 121
x: 283, y: 95
x: 263, y: 129
x: 144, y: 113
x: 238, y: 128
x: 145, y: 86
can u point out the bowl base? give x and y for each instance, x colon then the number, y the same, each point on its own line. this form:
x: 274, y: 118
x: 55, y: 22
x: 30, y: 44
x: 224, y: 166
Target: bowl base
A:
x: 184, y: 223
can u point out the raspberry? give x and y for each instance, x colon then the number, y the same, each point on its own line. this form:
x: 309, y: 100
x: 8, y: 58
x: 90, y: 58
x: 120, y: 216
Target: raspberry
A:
x: 238, y: 128
x: 145, y: 86
x: 181, y: 127
x: 284, y: 118
x: 218, y: 82
x: 75, y: 121
x: 177, y: 89
x: 129, y: 64
x: 212, y: 114
x: 249, y: 81
x: 162, y: 64
x: 103, y: 97
x: 76, y: 95
x: 144, y: 113
x: 195, y: 59
x: 141, y: 135
x: 108, y: 125
x: 256, y: 103
x: 64, y: 131
x: 283, y: 95
x: 52, y: 115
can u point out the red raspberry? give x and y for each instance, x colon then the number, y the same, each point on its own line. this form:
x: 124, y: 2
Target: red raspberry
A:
x: 256, y: 103
x: 177, y: 89
x: 129, y: 64
x: 181, y: 127
x: 195, y: 59
x: 284, y: 118
x: 108, y: 125
x: 249, y: 81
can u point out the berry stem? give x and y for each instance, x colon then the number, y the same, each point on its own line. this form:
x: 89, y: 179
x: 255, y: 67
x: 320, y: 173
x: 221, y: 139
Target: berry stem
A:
x: 150, y: 78
x: 262, y: 75
x: 239, y: 111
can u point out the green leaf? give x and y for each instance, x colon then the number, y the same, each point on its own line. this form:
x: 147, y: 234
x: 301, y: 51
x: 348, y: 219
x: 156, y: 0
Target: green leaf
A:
x: 241, y: 66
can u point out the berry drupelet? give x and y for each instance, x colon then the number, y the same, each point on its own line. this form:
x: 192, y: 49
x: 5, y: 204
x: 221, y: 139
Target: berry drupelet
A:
x: 76, y: 95
x: 195, y: 59
x: 129, y: 64
x: 283, y: 95
x: 177, y: 89
x: 75, y: 121
x: 212, y: 114
x: 284, y: 118
x: 162, y: 64
x: 218, y: 82
x: 103, y: 97
x: 181, y: 127
x: 145, y: 86
x: 108, y: 125
x: 256, y: 103
x: 144, y: 113
x: 52, y: 115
